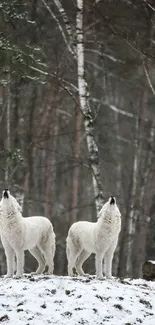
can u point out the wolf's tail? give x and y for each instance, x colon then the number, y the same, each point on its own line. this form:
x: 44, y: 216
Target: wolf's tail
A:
x: 51, y: 240
x: 68, y: 244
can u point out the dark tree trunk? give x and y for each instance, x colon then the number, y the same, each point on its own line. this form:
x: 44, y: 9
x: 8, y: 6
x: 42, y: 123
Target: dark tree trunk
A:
x: 75, y: 177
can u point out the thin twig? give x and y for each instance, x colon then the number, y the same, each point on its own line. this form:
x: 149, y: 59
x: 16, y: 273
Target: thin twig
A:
x: 148, y: 79
x: 65, y: 19
x: 59, y: 26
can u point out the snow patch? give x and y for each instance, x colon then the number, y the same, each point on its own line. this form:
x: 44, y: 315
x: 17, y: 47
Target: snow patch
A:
x: 153, y: 262
x: 42, y: 300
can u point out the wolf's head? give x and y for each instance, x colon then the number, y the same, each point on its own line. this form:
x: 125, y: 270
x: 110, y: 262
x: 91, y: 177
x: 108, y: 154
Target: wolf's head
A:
x: 6, y: 194
x: 8, y: 203
x: 109, y: 207
x: 112, y: 200
x: 112, y: 206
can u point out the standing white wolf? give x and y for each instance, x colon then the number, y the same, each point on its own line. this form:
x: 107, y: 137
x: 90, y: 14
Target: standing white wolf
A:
x: 19, y: 234
x: 85, y: 238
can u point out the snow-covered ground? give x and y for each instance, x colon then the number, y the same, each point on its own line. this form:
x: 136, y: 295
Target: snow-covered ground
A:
x: 70, y: 301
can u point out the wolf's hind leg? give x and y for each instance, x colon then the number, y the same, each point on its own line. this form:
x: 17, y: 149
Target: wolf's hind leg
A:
x: 40, y: 259
x: 80, y: 260
x: 48, y: 250
x: 73, y: 252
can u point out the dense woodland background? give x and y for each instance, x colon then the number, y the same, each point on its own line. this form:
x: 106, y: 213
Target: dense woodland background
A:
x: 45, y: 157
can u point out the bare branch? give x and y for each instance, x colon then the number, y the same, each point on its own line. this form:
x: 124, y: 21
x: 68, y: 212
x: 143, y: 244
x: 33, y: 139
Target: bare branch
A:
x: 95, y: 65
x: 114, y: 108
x: 148, y: 79
x: 149, y: 5
x: 61, y: 82
x: 65, y: 19
x: 59, y: 26
x: 110, y: 57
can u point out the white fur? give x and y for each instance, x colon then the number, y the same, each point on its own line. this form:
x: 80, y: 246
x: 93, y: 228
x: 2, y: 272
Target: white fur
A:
x: 19, y: 234
x: 100, y: 238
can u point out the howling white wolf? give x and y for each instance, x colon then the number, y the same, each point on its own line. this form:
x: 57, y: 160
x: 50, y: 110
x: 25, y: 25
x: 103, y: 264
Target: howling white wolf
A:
x: 19, y: 234
x: 85, y: 238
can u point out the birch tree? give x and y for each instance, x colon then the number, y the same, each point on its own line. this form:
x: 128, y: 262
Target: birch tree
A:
x: 89, y: 122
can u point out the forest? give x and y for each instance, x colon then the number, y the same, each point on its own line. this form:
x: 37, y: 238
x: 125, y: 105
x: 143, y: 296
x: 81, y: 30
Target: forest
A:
x: 77, y: 118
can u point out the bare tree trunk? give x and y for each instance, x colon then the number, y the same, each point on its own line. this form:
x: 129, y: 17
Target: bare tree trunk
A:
x: 75, y: 179
x: 89, y: 122
x: 48, y: 185
x: 51, y: 169
x: 143, y: 219
x: 16, y: 92
x: 30, y: 157
x: 135, y: 185
x: 32, y: 107
x: 7, y: 162
x: 126, y: 265
x: 8, y: 139
x: 128, y: 229
x: 119, y: 191
x: 132, y: 212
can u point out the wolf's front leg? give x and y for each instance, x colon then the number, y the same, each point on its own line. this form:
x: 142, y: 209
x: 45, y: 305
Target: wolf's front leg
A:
x: 10, y: 255
x: 108, y: 265
x: 98, y: 260
x: 20, y: 263
x: 109, y: 257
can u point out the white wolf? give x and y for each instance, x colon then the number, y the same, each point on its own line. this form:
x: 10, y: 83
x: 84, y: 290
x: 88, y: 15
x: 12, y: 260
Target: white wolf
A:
x: 19, y: 234
x: 85, y: 238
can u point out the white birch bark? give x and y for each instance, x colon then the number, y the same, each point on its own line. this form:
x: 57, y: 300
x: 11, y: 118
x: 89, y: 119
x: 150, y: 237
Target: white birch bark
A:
x: 65, y: 20
x: 82, y: 89
x: 86, y: 110
x: 67, y: 42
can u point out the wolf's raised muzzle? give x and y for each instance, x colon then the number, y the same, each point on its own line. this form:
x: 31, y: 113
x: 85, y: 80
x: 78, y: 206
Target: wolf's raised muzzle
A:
x: 5, y: 194
x: 113, y: 200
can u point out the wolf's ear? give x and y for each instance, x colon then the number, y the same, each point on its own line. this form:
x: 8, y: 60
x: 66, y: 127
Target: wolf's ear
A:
x: 112, y: 200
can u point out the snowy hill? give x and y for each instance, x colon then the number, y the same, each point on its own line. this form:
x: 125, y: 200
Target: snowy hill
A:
x: 71, y: 301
